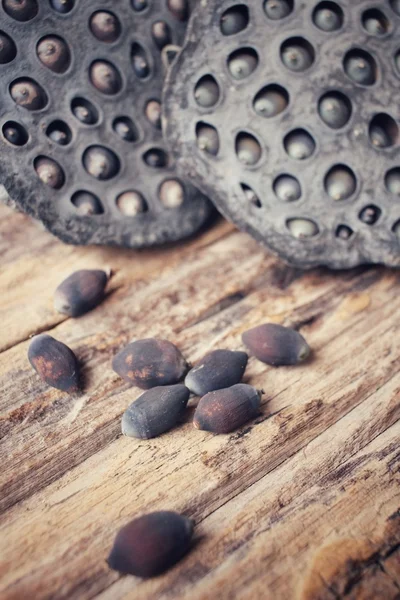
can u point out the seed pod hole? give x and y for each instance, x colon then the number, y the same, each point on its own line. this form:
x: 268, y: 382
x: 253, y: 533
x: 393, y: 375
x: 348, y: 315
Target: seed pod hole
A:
x: 171, y: 194
x: 105, y: 77
x: 131, y: 203
x: 340, y: 183
x: 335, y: 109
x: 271, y: 101
x: 299, y: 144
x: 28, y: 94
x: 125, y: 128
x: 85, y: 111
x: 383, y: 131
x: 207, y: 138
x: 343, y: 232
x: 375, y: 22
x: 392, y: 181
x: 360, y: 67
x: 140, y: 63
x: 105, y: 26
x: 161, y: 33
x: 234, y: 19
x: 287, y: 188
x: 139, y: 5
x: 8, y: 49
x: 59, y: 132
x: 21, y: 10
x: 87, y: 204
x: 100, y: 162
x: 248, y: 149
x: 15, y: 133
x: 156, y: 158
x: 153, y: 113
x: 397, y: 60
x: 250, y: 195
x: 179, y: 9
x: 278, y: 9
x: 302, y: 228
x: 49, y: 172
x: 396, y: 229
x: 297, y: 54
x: 242, y: 63
x: 370, y: 214
x: 395, y: 6
x: 62, y: 6
x: 328, y: 16
x: 206, y: 92
x: 53, y: 53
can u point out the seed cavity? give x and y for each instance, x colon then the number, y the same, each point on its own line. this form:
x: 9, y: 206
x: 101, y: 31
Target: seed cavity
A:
x: 343, y: 232
x: 139, y: 60
x: 105, y: 77
x: 87, y: 204
x: 139, y: 5
x: 153, y: 113
x: 179, y: 9
x: 335, y: 109
x: 125, y: 128
x: 105, y: 26
x: 8, y: 49
x: 278, y: 9
x: 287, y: 188
x: 21, y: 10
x: 297, y: 54
x: 59, y: 132
x: 370, y: 214
x: 131, y: 203
x: 392, y: 181
x: 383, y: 131
x: 242, y: 63
x: 206, y: 92
x: 171, y: 194
x: 15, y: 133
x: 85, y: 111
x: 100, y: 162
x: 375, y: 22
x: 340, y: 183
x: 328, y: 16
x: 53, y: 52
x: 299, y: 144
x: 156, y: 158
x: 248, y: 149
x: 207, y: 138
x: 302, y: 228
x: 49, y: 172
x: 161, y: 33
x: 234, y: 19
x: 271, y: 101
x: 62, y: 6
x: 396, y: 229
x: 360, y: 67
x: 28, y: 94
x: 250, y: 196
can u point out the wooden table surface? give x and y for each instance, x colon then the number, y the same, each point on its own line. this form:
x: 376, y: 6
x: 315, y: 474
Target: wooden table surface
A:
x: 303, y: 503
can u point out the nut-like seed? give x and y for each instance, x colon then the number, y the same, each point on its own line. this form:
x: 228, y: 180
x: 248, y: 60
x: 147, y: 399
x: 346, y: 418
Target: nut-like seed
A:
x: 80, y: 292
x: 156, y: 411
x: 151, y: 544
x: 224, y: 410
x: 276, y: 345
x: 149, y: 363
x: 55, y: 363
x: 218, y: 369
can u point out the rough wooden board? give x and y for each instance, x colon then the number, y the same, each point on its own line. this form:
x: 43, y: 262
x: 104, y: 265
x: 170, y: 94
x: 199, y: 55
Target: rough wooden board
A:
x: 300, y: 504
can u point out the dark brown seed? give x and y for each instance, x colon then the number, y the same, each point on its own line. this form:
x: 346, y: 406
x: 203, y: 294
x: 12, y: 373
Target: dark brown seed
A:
x: 149, y: 363
x: 80, y: 292
x: 217, y: 370
x: 55, y: 363
x: 149, y: 545
x: 224, y: 410
x: 155, y: 412
x: 276, y: 345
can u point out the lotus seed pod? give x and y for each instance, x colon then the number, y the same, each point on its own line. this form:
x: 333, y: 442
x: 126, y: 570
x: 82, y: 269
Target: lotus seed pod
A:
x: 21, y: 10
x: 277, y: 9
x: 302, y: 228
x: 328, y: 19
x: 54, y: 53
x: 151, y: 544
x: 206, y: 92
x: 139, y: 5
x: 334, y: 110
x: 28, y: 94
x: 223, y: 411
x: 392, y: 181
x: 105, y: 26
x: 217, y: 370
x: 101, y: 163
x: 153, y: 113
x: 296, y: 57
x: 49, y: 172
x: 156, y: 158
x: 340, y: 183
x: 179, y: 9
x: 360, y: 69
x: 62, y: 6
x: 233, y: 20
x: 105, y: 77
x: 84, y: 111
x: 242, y: 63
x: 299, y: 145
x: 207, y: 139
x: 156, y: 411
x: 248, y: 150
x: 270, y: 102
x: 287, y: 188
x: 15, y: 133
x: 125, y: 129
x: 161, y: 34
x: 80, y: 292
x: 131, y: 204
x: 140, y: 63
x: 172, y: 194
x: 276, y: 345
x: 8, y: 50
x: 87, y: 203
x: 149, y: 363
x: 55, y: 363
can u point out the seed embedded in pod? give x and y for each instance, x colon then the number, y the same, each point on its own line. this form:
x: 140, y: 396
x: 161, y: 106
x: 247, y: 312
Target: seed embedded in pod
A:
x: 21, y: 10
x: 49, y: 172
x: 140, y: 64
x: 335, y: 109
x: 344, y: 232
x: 223, y: 411
x: 207, y: 138
x: 149, y: 363
x: 105, y: 77
x: 139, y: 5
x: 15, y: 133
x: 216, y: 370
x: 234, y: 19
x: 8, y: 49
x: 206, y: 92
x: 179, y: 9
x: 125, y: 129
x: 59, y: 132
x: 392, y: 181
x: 276, y: 345
x: 250, y: 195
x: 242, y: 63
x: 105, y: 26
x: 156, y: 411
x: 171, y: 193
x: 383, y: 131
x: 84, y: 111
x: 360, y: 67
x: 278, y: 9
x: 55, y: 363
x: 101, y: 163
x: 248, y: 149
x: 87, y: 204
x: 62, y: 6
x: 28, y: 94
x: 299, y: 144
x: 302, y: 228
x: 151, y: 544
x: 161, y: 34
x: 156, y: 158
x: 271, y: 101
x: 370, y: 214
x: 328, y: 16
x: 375, y: 22
x: 131, y: 204
x: 153, y: 113
x: 80, y: 292
x: 53, y: 53
x: 396, y: 229
x: 287, y: 188
x: 340, y: 183
x: 297, y: 54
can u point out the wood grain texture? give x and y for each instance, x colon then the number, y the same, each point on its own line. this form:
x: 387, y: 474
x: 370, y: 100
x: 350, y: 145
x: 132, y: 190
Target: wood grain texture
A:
x: 302, y: 503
